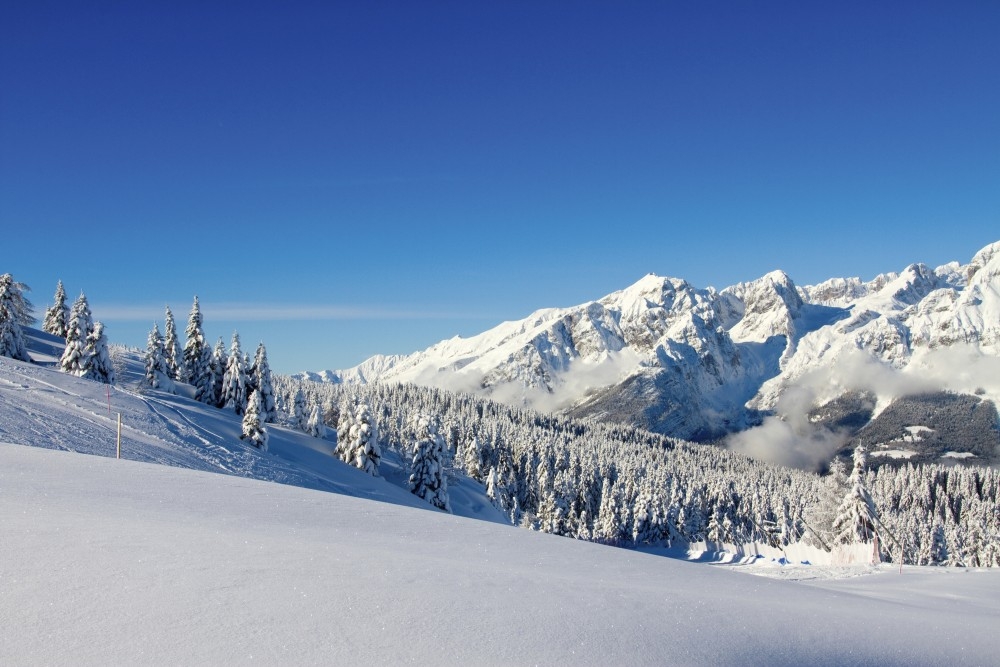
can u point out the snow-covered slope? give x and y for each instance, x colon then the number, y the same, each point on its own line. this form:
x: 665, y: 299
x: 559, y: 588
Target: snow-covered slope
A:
x: 698, y: 363
x: 117, y: 562
x: 44, y: 408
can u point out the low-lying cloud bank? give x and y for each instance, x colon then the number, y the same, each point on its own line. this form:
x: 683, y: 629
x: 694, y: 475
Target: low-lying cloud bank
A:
x: 790, y: 438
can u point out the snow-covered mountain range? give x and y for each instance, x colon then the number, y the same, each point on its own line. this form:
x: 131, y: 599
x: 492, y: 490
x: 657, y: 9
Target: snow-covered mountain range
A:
x: 700, y: 363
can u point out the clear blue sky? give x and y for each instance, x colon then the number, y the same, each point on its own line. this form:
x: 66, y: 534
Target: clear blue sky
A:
x: 344, y: 179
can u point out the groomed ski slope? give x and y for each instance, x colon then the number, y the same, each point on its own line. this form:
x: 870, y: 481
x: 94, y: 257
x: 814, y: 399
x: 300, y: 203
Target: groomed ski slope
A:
x: 119, y: 562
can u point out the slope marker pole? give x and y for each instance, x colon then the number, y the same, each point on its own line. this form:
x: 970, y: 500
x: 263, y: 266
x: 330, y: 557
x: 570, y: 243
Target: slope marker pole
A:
x: 118, y: 446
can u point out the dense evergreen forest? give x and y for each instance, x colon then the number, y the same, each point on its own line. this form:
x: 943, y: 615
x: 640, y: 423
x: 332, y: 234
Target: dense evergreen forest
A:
x: 623, y: 486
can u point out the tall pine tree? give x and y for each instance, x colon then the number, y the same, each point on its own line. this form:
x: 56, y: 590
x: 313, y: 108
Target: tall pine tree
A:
x: 76, y: 357
x: 263, y: 384
x: 217, y: 374
x: 357, y: 439
x: 253, y: 427
x: 427, y: 478
x: 15, y: 312
x: 194, y: 371
x: 234, y: 384
x: 171, y: 347
x: 157, y: 373
x: 101, y: 369
x: 857, y: 517
x: 57, y: 315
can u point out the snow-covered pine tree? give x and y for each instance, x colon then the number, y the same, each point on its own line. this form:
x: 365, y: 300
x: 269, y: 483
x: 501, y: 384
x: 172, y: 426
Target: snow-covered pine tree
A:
x: 157, y: 373
x: 195, y: 371
x: 427, y: 479
x: 101, y: 369
x: 23, y: 309
x: 57, y: 315
x: 360, y: 446
x: 314, y: 425
x: 298, y: 415
x: 471, y: 458
x: 821, y: 515
x: 345, y: 420
x: 75, y: 358
x: 234, y: 383
x: 253, y: 428
x: 216, y: 375
x: 608, y: 527
x: 264, y: 384
x: 330, y: 413
x: 857, y: 517
x: 250, y: 368
x: 493, y: 489
x: 171, y: 347
x: 14, y: 313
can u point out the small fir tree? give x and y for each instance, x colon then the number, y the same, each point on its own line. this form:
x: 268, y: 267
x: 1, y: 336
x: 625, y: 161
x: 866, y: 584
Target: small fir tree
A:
x: 253, y: 428
x: 57, y: 315
x: 427, y: 479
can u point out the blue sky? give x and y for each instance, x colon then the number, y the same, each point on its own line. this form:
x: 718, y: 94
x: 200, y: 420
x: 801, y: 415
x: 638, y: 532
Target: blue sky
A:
x: 345, y: 179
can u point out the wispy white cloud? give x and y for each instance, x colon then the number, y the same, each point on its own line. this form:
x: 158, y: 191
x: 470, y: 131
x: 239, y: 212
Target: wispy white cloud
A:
x: 271, y: 312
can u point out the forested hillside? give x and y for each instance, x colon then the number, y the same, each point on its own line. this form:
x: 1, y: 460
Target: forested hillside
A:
x: 620, y: 485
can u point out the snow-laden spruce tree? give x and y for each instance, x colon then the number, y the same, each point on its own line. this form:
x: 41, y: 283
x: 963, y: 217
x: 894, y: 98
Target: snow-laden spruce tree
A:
x: 234, y: 384
x: 19, y: 305
x: 820, y: 516
x: 427, y: 478
x: 15, y: 312
x: 314, y: 425
x: 195, y: 367
x: 608, y: 526
x: 171, y: 347
x: 262, y: 383
x: 299, y: 415
x: 216, y: 375
x: 253, y: 427
x: 471, y: 458
x: 101, y: 369
x: 357, y: 438
x: 157, y: 373
x: 856, y: 517
x: 57, y: 315
x: 75, y: 358
x: 493, y: 489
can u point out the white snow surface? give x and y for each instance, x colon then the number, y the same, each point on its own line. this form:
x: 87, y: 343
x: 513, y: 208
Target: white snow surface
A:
x: 120, y: 562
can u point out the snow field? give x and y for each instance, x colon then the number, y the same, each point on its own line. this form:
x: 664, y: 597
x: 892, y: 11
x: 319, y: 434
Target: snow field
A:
x: 119, y: 562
